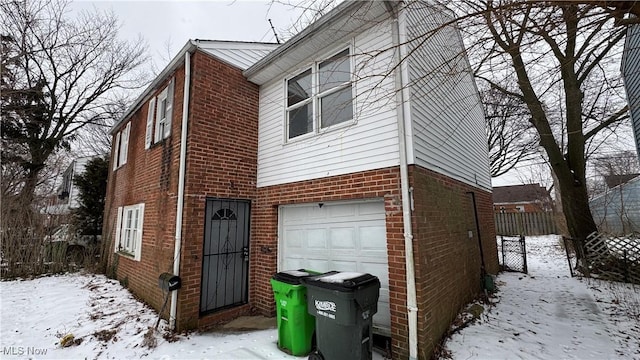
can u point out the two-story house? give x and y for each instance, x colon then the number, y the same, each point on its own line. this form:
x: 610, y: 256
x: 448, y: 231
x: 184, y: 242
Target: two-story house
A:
x: 372, y: 157
x: 357, y: 145
x: 184, y: 159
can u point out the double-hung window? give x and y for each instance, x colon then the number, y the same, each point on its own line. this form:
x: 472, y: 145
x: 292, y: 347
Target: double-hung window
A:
x: 121, y: 147
x: 159, y: 115
x: 129, y: 230
x: 320, y: 97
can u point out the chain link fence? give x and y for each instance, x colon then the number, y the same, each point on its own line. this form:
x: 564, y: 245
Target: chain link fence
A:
x: 513, y: 253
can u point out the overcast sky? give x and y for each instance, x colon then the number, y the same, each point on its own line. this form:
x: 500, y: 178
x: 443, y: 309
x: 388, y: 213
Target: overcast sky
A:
x: 169, y: 24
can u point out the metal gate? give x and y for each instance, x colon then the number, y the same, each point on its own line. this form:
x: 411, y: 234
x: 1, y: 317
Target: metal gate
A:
x: 225, y: 259
x: 514, y: 253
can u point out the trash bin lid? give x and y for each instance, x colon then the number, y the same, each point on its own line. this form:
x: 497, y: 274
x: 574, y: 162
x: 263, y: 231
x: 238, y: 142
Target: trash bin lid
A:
x: 342, y: 281
x: 292, y: 276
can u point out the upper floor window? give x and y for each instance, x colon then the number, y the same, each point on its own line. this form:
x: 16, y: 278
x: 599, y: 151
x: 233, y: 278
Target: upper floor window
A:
x: 67, y: 180
x: 121, y: 146
x: 321, y: 96
x: 159, y: 117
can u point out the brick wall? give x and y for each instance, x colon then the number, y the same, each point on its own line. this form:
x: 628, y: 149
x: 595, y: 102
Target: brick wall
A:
x: 382, y: 183
x: 221, y: 162
x: 448, y: 264
x: 149, y: 177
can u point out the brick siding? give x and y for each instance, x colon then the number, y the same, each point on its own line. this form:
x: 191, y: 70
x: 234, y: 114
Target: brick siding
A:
x: 221, y: 162
x: 448, y: 264
x: 382, y: 183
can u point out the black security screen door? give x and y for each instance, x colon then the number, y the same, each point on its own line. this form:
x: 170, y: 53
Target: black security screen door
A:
x: 225, y: 260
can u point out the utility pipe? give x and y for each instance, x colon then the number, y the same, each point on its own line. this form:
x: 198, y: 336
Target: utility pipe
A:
x: 183, y: 166
x: 399, y: 39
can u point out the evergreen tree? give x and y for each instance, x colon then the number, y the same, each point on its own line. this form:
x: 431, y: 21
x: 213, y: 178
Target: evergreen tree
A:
x: 92, y: 189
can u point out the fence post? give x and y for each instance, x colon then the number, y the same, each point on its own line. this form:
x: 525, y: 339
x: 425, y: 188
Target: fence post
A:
x: 523, y: 246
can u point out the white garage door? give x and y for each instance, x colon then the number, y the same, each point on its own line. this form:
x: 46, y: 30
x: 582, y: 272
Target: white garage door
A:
x: 346, y: 236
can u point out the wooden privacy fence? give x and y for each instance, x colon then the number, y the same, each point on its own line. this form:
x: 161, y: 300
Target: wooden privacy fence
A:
x: 526, y: 223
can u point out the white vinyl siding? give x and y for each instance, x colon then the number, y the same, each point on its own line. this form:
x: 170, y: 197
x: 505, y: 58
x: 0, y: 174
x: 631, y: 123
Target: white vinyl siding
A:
x: 631, y: 74
x: 343, y: 236
x: 129, y: 231
x: 369, y: 142
x: 448, y: 124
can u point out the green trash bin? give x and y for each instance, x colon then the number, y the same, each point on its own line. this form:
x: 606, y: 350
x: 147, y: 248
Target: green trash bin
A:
x: 295, y: 325
x: 343, y: 305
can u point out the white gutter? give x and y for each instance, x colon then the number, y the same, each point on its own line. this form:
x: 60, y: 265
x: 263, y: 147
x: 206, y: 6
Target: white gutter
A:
x: 400, y: 40
x: 183, y: 166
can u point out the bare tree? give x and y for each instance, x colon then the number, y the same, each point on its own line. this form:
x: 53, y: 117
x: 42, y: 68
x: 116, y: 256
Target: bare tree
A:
x: 510, y: 136
x: 59, y: 75
x: 562, y: 59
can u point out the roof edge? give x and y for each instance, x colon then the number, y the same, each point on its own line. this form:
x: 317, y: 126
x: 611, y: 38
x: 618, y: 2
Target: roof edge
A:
x: 190, y: 47
x: 326, y: 20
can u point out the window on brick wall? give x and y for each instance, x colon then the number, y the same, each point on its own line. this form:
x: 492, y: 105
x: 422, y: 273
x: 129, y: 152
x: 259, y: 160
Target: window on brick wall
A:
x: 320, y: 97
x: 121, y: 147
x: 159, y: 115
x: 129, y: 231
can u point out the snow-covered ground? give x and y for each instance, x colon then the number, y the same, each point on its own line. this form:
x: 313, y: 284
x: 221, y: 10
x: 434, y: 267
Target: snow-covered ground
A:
x: 107, y: 323
x: 549, y: 315
x: 543, y: 315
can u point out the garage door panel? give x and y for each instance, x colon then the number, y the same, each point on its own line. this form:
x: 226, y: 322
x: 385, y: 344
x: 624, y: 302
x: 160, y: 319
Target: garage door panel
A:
x: 370, y: 208
x: 372, y: 237
x: 317, y: 239
x: 294, y: 238
x: 344, y: 237
x: 320, y: 265
x: 340, y: 212
x: 344, y: 266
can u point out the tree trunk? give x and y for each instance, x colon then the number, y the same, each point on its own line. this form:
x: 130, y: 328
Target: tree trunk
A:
x: 575, y: 204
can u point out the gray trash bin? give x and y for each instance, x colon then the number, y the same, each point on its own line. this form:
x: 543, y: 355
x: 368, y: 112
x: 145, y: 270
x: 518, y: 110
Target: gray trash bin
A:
x: 343, y: 304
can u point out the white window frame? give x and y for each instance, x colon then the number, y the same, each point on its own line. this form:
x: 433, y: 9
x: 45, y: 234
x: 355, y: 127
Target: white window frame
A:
x: 161, y: 115
x: 316, y: 97
x: 121, y: 147
x: 129, y: 228
x: 151, y: 108
x: 163, y: 119
x: 116, y: 151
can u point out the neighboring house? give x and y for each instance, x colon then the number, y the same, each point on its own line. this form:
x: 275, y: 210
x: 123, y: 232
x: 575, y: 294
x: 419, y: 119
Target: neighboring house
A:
x: 521, y: 198
x: 324, y: 154
x: 631, y: 75
x: 66, y: 198
x: 617, y: 210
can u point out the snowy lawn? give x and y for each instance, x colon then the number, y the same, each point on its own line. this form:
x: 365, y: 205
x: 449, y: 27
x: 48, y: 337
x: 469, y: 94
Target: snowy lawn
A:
x: 107, y: 323
x: 549, y: 315
x: 543, y: 315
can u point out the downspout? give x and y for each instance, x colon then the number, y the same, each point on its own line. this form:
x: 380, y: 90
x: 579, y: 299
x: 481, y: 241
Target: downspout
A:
x: 183, y: 166
x: 399, y: 40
